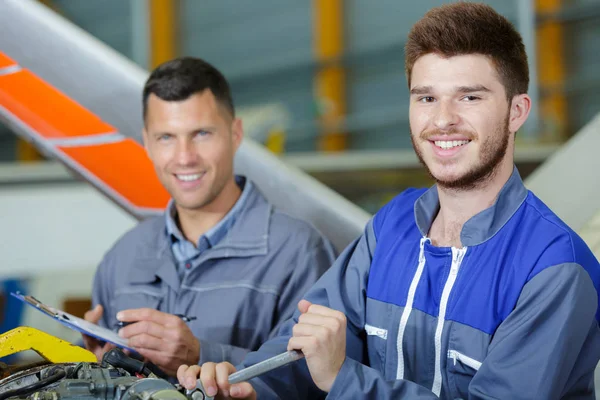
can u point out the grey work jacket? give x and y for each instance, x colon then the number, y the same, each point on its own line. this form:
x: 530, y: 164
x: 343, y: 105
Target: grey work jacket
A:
x: 240, y: 290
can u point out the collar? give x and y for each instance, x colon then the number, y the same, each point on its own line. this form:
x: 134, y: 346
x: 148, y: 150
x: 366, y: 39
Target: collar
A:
x: 482, y: 226
x: 217, y: 232
x: 248, y: 236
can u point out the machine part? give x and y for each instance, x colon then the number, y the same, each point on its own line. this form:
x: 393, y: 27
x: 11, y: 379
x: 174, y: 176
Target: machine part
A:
x: 130, y: 379
x: 117, y: 358
x: 152, y: 389
x: 198, y: 393
x: 8, y: 370
x: 49, y: 347
x: 86, y: 381
x: 57, y: 375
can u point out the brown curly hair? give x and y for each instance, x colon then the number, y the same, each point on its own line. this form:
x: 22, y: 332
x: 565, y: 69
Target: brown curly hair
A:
x: 471, y: 28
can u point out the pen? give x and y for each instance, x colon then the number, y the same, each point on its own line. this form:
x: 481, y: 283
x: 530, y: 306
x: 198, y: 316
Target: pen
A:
x: 184, y: 318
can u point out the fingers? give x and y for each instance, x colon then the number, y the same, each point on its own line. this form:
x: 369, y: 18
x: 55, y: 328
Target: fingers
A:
x: 93, y: 345
x: 147, y: 314
x: 325, y: 311
x: 321, y: 320
x: 307, y: 344
x: 222, y: 371
x: 300, y: 330
x: 325, y: 322
x: 303, y: 305
x: 208, y: 376
x: 89, y: 342
x: 187, y: 376
x: 306, y: 307
x: 94, y: 314
x: 242, y: 390
x: 146, y: 342
x: 108, y: 346
x: 149, y: 328
x: 215, y: 379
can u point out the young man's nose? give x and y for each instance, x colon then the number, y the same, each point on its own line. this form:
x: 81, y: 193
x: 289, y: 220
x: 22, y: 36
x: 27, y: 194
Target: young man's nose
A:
x: 445, y: 116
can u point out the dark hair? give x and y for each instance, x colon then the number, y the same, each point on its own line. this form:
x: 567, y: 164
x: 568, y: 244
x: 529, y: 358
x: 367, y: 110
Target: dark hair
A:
x: 471, y: 28
x: 180, y: 78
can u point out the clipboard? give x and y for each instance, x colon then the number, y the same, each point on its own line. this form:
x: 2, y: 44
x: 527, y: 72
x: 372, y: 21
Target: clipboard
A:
x: 75, y: 323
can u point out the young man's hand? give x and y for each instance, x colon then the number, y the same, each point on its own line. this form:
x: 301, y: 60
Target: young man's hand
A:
x: 164, y: 339
x: 321, y: 335
x: 214, y: 378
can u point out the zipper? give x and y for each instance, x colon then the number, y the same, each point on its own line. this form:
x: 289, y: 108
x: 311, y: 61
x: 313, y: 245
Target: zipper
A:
x: 408, y: 308
x: 466, y: 360
x: 457, y: 258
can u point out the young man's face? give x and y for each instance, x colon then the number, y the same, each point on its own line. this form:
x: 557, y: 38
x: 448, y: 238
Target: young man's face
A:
x: 192, y: 144
x: 459, y: 118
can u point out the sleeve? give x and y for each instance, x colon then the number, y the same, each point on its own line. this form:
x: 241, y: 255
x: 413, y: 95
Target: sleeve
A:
x: 549, y: 345
x: 102, y: 291
x: 316, y: 258
x: 344, y: 288
x: 218, y: 352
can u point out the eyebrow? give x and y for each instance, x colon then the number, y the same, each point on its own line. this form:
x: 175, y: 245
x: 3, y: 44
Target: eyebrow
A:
x: 420, y: 90
x: 471, y: 89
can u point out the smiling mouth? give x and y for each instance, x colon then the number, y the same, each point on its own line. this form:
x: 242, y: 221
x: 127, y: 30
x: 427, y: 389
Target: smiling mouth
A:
x: 450, y: 144
x: 188, y: 177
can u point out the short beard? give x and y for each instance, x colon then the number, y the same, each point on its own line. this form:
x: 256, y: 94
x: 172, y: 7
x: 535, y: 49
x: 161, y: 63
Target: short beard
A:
x: 491, y: 156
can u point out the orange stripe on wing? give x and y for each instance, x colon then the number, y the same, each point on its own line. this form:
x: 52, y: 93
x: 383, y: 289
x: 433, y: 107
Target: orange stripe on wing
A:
x: 6, y: 61
x: 45, y: 109
x: 79, y: 139
x: 124, y: 167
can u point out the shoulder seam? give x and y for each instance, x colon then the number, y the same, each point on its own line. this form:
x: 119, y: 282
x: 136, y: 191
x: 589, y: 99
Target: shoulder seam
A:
x: 301, y: 221
x: 558, y: 226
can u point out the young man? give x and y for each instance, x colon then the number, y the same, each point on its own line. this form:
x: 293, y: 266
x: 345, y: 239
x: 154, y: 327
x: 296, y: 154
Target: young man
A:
x: 471, y: 289
x: 222, y: 258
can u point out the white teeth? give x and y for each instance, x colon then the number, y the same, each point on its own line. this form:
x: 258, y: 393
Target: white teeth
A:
x: 448, y: 144
x: 188, y: 178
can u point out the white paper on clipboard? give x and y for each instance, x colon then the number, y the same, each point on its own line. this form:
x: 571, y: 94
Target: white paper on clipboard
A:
x: 75, y: 323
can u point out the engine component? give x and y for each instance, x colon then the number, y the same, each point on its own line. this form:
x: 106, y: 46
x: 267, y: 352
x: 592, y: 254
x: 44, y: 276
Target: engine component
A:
x: 85, y: 381
x: 118, y: 377
x: 49, y: 347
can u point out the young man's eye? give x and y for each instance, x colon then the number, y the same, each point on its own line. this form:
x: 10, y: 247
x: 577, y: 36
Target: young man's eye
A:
x: 426, y: 99
x: 471, y: 98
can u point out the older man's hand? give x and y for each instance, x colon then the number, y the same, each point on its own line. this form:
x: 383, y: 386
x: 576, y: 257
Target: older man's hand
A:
x: 164, y: 339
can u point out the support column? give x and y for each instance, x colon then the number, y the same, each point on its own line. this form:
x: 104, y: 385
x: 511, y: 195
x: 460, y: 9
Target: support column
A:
x: 163, y: 31
x: 330, y: 80
x: 551, y: 72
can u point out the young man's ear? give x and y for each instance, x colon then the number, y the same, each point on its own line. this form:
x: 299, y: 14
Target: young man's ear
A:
x: 519, y: 111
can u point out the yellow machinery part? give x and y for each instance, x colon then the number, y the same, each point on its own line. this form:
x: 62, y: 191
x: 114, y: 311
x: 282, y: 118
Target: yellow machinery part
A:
x: 49, y: 347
